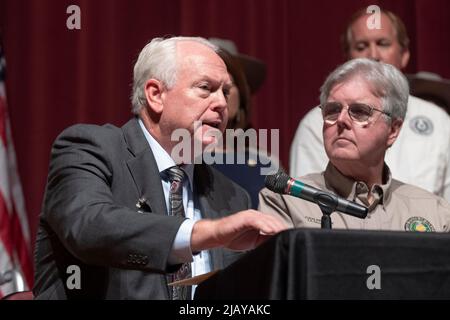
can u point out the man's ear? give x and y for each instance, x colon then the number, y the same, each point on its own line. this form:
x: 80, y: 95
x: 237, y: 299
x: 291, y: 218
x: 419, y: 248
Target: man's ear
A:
x: 154, y: 90
x: 396, y: 125
x: 404, y: 58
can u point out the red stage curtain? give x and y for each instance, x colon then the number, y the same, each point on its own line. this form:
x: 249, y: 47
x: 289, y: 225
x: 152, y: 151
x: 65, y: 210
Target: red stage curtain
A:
x: 57, y: 77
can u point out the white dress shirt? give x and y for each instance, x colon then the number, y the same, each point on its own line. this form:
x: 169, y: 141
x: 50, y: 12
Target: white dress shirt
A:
x: 181, y: 250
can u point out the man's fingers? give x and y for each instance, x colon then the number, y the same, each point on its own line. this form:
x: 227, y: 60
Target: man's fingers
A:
x: 243, y: 230
x: 267, y: 224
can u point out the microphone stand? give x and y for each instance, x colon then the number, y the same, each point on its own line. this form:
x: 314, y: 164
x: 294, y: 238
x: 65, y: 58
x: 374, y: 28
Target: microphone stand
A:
x: 325, y: 222
x: 327, y: 205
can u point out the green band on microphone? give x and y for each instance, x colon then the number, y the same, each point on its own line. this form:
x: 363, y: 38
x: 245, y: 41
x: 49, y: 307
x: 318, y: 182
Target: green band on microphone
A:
x: 296, y: 188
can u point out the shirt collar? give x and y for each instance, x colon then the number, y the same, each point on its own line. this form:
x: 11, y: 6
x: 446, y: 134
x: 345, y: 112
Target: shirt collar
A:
x: 352, y: 190
x: 163, y: 159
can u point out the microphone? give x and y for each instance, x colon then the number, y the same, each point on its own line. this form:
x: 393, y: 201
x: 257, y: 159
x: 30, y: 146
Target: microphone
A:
x: 282, y: 183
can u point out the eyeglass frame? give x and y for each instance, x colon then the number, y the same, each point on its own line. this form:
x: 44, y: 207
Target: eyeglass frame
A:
x: 347, y: 107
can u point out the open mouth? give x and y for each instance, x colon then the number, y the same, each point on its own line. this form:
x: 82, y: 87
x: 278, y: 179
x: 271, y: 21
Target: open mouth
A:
x: 213, y: 124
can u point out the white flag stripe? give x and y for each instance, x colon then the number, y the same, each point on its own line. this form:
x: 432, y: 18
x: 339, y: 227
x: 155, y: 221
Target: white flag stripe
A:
x: 16, y: 187
x: 5, y: 265
x: 15, y: 246
x: 4, y: 183
x: 5, y: 259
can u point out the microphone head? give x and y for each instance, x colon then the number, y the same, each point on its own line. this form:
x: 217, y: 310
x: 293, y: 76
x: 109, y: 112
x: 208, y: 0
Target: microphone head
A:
x: 277, y: 182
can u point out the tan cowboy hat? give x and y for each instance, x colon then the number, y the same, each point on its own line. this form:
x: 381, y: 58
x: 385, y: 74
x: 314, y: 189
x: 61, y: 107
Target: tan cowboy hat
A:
x: 254, y: 69
x: 431, y: 87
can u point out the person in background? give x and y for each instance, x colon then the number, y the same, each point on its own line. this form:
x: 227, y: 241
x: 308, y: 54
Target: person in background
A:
x: 247, y: 74
x: 363, y: 105
x: 431, y: 87
x: 421, y: 155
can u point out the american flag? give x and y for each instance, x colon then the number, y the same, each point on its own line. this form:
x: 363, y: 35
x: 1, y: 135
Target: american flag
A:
x: 16, y: 270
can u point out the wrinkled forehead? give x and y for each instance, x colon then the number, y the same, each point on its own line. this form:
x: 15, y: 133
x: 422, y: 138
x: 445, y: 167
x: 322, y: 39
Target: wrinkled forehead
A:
x: 365, y: 87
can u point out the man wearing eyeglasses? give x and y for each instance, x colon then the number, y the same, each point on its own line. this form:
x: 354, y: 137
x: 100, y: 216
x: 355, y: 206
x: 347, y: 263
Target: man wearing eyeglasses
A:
x: 363, y: 104
x: 421, y: 154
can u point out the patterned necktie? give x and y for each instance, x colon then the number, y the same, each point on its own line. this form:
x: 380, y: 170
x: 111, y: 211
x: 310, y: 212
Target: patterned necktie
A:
x: 176, y: 176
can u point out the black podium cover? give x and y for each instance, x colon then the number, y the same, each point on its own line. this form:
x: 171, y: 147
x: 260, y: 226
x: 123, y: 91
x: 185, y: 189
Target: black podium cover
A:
x: 338, y: 264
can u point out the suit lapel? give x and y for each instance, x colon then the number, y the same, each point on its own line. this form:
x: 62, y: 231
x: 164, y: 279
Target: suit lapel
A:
x: 145, y: 173
x: 143, y: 168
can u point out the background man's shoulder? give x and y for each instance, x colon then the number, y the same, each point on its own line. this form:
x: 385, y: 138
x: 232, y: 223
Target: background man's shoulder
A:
x: 418, y: 106
x: 411, y: 191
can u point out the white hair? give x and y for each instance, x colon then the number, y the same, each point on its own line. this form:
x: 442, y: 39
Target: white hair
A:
x: 386, y: 81
x: 158, y: 60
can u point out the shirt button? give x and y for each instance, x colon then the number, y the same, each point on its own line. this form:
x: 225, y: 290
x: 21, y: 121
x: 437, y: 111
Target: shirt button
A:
x: 360, y: 187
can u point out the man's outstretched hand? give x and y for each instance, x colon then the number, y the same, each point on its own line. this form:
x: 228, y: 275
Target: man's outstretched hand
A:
x: 244, y: 230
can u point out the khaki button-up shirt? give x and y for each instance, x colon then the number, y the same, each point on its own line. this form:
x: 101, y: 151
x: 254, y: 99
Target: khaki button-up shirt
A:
x: 395, y: 205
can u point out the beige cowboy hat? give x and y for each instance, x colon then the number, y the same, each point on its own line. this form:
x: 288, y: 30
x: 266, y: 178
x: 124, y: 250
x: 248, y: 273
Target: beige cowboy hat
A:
x: 431, y: 87
x: 254, y: 69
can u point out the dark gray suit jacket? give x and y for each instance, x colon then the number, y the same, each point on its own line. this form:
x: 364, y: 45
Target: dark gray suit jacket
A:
x: 90, y: 219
